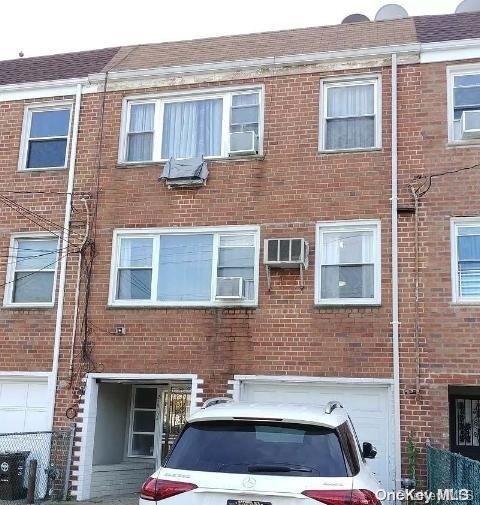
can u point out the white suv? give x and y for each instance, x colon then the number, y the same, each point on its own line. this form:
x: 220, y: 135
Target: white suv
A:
x: 268, y: 454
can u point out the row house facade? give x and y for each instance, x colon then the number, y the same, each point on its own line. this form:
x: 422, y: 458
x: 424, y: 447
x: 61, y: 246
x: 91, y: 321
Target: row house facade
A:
x: 286, y: 216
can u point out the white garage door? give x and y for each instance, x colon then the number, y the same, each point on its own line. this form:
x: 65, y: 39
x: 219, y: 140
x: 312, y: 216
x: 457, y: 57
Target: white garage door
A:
x: 23, y: 405
x: 367, y: 405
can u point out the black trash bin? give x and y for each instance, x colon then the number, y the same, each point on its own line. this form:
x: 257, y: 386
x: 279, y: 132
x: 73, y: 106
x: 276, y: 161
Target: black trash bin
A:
x: 12, y: 475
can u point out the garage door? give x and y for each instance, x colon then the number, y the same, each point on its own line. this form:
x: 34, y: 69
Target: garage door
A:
x: 23, y: 405
x: 367, y: 405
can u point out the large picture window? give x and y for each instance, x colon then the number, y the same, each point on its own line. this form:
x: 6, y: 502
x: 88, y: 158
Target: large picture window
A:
x: 203, y: 266
x: 213, y: 125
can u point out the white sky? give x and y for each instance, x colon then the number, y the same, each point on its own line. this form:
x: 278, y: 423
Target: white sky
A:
x: 54, y: 26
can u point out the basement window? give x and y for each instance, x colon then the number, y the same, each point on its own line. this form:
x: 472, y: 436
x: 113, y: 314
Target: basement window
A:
x: 31, y: 271
x: 348, y: 263
x: 214, y: 124
x: 350, y: 115
x: 45, y: 137
x: 185, y: 267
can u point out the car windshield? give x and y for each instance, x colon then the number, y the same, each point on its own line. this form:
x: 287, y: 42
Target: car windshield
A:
x: 260, y: 448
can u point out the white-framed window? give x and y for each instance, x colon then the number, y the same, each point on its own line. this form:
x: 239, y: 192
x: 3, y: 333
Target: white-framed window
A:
x: 145, y: 411
x: 464, y: 103
x: 465, y: 241
x: 31, y: 271
x: 45, y: 136
x: 348, y: 265
x: 215, y: 124
x: 205, y: 266
x: 350, y: 114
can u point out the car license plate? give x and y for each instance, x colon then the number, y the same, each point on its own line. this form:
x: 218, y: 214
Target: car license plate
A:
x: 247, y: 502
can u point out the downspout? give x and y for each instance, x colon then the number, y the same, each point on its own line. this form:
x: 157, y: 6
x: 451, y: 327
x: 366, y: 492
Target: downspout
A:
x: 63, y: 263
x: 395, y: 321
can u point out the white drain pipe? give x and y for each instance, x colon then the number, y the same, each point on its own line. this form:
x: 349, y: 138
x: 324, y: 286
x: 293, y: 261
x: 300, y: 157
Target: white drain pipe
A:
x: 395, y: 321
x: 63, y: 261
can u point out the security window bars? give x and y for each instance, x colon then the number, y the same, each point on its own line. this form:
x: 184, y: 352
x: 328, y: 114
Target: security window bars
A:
x: 348, y: 263
x: 350, y: 115
x: 31, y: 271
x: 46, y: 137
x: 186, y: 126
x: 466, y: 261
x: 184, y: 268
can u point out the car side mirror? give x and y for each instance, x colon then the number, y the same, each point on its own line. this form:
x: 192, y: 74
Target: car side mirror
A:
x: 368, y: 450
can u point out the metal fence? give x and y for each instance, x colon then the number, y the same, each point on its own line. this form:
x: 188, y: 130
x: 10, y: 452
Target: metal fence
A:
x: 450, y: 475
x: 35, y: 466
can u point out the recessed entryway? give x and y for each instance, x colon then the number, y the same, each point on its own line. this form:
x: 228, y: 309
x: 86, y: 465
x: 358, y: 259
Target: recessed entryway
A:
x: 129, y: 425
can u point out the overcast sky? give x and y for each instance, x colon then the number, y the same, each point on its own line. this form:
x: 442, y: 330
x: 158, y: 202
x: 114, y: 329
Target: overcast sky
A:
x: 54, y: 26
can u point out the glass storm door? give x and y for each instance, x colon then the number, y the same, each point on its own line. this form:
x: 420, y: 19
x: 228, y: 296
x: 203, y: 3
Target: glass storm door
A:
x: 145, y: 425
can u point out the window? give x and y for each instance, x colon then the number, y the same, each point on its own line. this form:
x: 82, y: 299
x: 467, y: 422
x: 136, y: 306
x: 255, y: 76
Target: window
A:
x: 466, y: 260
x: 31, y: 271
x: 187, y: 267
x: 184, y: 126
x: 45, y: 137
x: 464, y: 420
x: 348, y: 263
x: 350, y: 115
x: 464, y: 97
x: 256, y: 447
x: 143, y: 421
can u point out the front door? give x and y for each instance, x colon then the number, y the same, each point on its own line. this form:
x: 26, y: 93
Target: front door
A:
x: 465, y: 422
x: 158, y: 413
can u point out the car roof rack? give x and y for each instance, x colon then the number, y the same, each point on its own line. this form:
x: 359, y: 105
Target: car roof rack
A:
x: 331, y: 406
x: 215, y: 401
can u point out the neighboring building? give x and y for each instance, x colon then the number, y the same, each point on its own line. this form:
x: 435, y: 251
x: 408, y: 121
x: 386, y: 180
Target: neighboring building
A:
x: 177, y: 304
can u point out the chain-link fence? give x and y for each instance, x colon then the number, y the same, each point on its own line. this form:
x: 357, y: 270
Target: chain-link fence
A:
x: 453, y: 479
x: 35, y: 466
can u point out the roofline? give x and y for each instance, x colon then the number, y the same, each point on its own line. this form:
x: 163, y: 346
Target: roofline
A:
x: 453, y: 50
x: 255, y: 63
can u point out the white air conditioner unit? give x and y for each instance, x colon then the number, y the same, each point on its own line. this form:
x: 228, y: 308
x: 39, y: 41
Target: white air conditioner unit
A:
x: 243, y: 143
x: 471, y: 124
x: 229, y: 288
x: 285, y: 252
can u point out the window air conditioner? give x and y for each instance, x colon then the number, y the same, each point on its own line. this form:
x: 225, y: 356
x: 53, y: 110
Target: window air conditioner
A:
x: 471, y: 124
x: 285, y: 252
x: 243, y: 143
x: 229, y: 288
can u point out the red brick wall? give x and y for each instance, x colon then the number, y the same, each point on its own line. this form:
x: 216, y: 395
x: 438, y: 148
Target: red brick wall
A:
x: 285, y: 193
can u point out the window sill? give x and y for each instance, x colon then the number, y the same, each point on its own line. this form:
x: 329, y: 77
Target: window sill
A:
x: 177, y: 306
x: 28, y: 306
x: 463, y: 143
x: 47, y: 169
x: 346, y: 151
x: 466, y: 303
x: 144, y: 164
x: 347, y: 305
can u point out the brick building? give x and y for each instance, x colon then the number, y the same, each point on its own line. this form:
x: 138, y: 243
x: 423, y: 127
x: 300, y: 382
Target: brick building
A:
x: 138, y: 298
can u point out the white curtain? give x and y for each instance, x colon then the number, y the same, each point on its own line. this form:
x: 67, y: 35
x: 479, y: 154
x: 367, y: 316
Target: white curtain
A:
x: 135, y: 269
x: 350, y: 117
x: 140, y: 136
x: 192, y: 128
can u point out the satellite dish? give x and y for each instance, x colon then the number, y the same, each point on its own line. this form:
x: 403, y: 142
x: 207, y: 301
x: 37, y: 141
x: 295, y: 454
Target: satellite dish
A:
x: 391, y: 11
x: 355, y: 18
x: 468, y: 6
